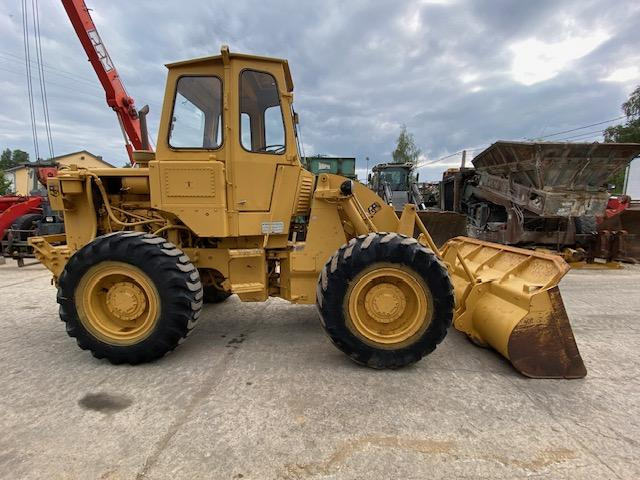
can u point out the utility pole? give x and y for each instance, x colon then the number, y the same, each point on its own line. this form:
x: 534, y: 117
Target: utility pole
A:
x: 464, y: 159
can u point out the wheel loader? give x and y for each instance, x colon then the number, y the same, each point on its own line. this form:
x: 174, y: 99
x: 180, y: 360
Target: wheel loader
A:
x: 210, y: 214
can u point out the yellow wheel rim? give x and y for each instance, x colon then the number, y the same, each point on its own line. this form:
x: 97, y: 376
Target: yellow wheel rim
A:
x: 388, y: 305
x: 117, y: 303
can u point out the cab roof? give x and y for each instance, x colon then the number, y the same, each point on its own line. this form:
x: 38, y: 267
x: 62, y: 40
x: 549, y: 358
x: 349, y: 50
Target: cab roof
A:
x: 226, y: 55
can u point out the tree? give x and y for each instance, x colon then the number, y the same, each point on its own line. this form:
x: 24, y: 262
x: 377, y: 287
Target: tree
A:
x: 10, y: 158
x: 5, y: 158
x: 5, y: 184
x: 406, y: 150
x: 630, y: 130
x: 19, y: 156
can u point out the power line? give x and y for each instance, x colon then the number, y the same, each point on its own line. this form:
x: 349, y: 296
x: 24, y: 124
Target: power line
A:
x: 73, y: 74
x: 420, y: 165
x: 600, y: 132
x: 56, y: 71
x: 578, y: 128
x: 27, y: 58
x: 66, y: 87
x: 43, y: 87
x: 468, y: 149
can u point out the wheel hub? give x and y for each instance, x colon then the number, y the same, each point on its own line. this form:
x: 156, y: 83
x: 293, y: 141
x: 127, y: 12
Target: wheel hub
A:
x: 385, y: 302
x: 388, y: 305
x: 118, y: 303
x: 126, y: 301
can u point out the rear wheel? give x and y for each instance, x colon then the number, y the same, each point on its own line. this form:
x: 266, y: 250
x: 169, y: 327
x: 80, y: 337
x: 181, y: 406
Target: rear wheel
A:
x: 385, y: 300
x: 129, y: 297
x: 26, y: 223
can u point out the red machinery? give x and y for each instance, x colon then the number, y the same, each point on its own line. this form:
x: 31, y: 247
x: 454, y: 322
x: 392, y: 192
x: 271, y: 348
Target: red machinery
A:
x: 7, y: 201
x: 615, y: 206
x: 131, y: 121
x: 23, y: 216
x: 620, y: 226
x: 13, y: 207
x: 22, y: 206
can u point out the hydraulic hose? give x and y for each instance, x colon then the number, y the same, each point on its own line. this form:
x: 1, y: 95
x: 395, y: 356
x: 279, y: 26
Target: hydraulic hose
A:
x: 107, y: 206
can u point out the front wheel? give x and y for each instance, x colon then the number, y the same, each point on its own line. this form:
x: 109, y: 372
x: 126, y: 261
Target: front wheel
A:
x: 385, y: 300
x: 129, y: 297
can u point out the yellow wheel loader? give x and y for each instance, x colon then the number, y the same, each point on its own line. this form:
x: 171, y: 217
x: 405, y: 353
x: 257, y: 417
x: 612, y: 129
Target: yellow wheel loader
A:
x: 224, y: 207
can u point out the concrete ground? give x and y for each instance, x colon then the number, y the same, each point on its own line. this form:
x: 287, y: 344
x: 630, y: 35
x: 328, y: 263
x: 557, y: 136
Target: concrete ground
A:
x: 259, y: 392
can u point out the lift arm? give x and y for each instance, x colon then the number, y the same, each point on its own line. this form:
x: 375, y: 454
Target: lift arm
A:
x: 117, y: 97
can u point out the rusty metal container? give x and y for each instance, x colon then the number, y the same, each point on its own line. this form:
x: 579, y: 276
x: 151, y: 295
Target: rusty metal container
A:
x: 550, y: 178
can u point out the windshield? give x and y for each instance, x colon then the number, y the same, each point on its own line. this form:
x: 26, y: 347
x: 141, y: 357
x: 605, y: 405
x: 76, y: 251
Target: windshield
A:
x: 396, y: 178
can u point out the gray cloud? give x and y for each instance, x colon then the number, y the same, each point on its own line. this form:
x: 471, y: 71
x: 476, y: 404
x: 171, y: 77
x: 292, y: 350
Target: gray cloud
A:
x: 361, y: 68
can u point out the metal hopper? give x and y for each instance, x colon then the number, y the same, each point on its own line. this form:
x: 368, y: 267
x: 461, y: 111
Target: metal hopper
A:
x: 518, y: 185
x: 554, y: 179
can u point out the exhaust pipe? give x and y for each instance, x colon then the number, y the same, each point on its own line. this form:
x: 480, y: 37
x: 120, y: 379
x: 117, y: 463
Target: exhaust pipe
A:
x: 144, y: 131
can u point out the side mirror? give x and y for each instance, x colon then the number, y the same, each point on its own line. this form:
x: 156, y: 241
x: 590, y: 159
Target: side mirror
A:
x: 296, y: 118
x: 417, y: 177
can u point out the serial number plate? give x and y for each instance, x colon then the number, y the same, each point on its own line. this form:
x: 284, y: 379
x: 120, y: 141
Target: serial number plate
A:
x: 272, y: 227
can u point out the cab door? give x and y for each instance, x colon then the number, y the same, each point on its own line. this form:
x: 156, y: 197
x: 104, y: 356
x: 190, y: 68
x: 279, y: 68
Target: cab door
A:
x: 262, y: 139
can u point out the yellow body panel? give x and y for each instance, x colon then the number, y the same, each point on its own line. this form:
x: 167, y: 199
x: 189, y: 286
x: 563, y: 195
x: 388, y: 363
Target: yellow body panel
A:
x: 194, y: 191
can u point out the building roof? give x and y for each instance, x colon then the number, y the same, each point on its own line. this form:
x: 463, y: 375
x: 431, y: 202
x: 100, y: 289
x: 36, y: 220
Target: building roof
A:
x: 54, y: 160
x: 97, y: 157
x: 41, y: 163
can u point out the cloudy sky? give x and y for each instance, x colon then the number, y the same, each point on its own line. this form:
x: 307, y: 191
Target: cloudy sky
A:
x: 460, y: 74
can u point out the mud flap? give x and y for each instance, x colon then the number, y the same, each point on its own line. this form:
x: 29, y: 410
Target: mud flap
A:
x: 508, y: 298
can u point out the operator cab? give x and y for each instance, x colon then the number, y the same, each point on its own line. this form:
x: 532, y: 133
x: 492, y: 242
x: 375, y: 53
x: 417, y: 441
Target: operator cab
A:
x: 226, y: 143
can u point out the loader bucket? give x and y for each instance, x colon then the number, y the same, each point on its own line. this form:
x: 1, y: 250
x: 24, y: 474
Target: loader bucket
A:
x: 508, y: 298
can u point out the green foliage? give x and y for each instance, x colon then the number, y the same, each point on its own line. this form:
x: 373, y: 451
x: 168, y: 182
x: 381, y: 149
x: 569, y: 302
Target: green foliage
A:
x: 406, y: 150
x: 5, y: 184
x: 10, y: 158
x: 5, y: 158
x: 629, y: 132
x: 618, y: 183
x: 632, y: 106
x: 19, y: 156
x: 626, y: 133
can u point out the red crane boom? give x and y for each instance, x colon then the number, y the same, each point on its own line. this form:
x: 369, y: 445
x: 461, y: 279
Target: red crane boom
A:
x: 117, y: 97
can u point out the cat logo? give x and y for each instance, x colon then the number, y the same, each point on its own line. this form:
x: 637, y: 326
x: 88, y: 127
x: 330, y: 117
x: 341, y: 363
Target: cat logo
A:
x: 373, y: 208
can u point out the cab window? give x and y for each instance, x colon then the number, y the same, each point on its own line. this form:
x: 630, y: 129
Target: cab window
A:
x: 196, y: 121
x: 261, y: 120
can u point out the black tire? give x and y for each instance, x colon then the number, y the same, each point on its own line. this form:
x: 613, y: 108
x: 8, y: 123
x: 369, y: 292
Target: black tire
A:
x: 214, y: 295
x: 172, y: 274
x: 211, y: 285
x: 586, y: 224
x: 26, y: 222
x: 360, y: 254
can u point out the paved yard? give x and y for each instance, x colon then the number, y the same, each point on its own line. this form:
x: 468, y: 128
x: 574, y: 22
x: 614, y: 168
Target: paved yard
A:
x: 258, y: 392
